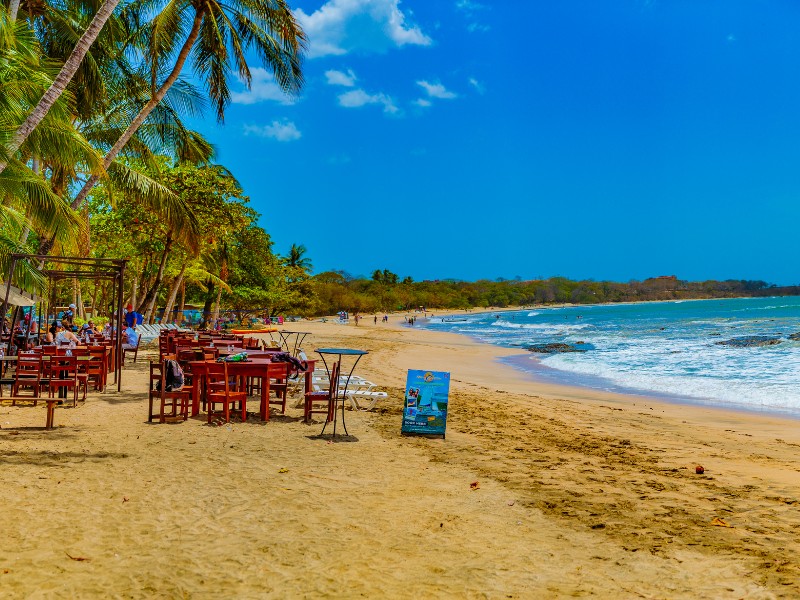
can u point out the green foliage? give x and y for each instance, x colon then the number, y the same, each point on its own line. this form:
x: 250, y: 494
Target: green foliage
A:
x: 334, y: 292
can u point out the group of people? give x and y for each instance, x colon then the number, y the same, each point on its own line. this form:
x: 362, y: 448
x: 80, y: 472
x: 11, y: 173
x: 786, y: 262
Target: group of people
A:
x: 62, y: 331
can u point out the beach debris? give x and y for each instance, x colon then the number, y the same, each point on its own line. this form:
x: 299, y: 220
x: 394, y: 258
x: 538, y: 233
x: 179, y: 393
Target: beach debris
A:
x: 125, y: 499
x: 750, y: 341
x: 283, y: 470
x: 699, y: 469
x: 510, y: 502
x: 474, y: 485
x: 720, y: 522
x: 78, y: 558
x: 558, y: 347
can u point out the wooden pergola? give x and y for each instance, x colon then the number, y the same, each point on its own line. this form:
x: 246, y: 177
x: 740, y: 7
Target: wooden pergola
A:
x: 82, y: 269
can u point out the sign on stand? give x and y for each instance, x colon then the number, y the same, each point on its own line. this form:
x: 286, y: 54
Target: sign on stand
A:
x: 425, y: 405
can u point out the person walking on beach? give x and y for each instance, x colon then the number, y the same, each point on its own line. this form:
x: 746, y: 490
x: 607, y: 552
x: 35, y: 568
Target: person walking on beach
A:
x: 375, y: 320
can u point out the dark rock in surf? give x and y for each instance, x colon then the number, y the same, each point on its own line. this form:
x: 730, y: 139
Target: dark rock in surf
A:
x: 795, y: 336
x: 554, y: 348
x: 750, y: 341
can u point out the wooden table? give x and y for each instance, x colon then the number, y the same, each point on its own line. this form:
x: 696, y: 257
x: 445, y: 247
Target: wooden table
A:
x: 256, y: 367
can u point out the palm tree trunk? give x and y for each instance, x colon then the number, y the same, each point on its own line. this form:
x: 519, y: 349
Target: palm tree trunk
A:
x: 13, y: 8
x: 173, y: 293
x: 152, y: 293
x: 215, y: 321
x: 183, y: 301
x: 134, y: 289
x: 79, y: 299
x: 63, y: 78
x: 146, y: 110
x: 207, y: 305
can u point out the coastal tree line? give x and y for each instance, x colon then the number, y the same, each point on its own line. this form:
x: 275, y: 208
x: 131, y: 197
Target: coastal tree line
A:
x: 336, y: 290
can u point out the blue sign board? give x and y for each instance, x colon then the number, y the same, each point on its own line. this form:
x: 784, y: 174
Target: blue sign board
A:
x: 425, y: 404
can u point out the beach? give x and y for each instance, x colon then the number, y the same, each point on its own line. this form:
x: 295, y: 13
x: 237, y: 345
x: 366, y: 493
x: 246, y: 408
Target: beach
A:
x: 579, y: 493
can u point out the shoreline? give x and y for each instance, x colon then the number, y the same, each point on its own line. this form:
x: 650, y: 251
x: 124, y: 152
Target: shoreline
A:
x: 546, y: 375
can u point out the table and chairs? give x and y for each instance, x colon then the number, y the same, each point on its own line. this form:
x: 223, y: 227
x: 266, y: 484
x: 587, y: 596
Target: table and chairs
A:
x: 336, y: 391
x: 272, y: 377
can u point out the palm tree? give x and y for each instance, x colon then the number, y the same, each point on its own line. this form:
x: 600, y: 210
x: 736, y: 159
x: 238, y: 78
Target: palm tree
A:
x: 27, y: 199
x: 220, y: 34
x: 63, y: 78
x: 296, y: 259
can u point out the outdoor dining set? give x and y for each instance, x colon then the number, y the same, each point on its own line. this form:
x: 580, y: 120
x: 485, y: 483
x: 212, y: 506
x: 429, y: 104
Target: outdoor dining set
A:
x: 217, y: 372
x: 222, y: 372
x: 49, y: 373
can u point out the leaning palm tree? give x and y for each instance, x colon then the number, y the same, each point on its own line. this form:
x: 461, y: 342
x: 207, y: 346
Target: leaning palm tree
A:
x: 27, y: 200
x: 220, y: 35
x: 59, y: 85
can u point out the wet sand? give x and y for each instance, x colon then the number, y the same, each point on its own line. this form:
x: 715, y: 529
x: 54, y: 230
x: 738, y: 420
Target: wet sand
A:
x: 580, y: 493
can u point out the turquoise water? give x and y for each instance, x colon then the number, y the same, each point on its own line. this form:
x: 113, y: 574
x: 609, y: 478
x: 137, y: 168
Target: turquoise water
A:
x: 667, y: 349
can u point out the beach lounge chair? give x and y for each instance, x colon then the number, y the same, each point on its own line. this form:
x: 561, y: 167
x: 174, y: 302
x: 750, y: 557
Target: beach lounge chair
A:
x: 357, y: 397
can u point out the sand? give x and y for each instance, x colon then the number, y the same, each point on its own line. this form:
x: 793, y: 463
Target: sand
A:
x: 580, y: 493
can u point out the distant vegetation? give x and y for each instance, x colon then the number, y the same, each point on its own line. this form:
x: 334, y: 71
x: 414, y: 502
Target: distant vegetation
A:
x: 385, y: 291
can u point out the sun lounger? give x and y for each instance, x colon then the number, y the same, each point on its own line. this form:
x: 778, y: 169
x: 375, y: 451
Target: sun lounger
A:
x: 357, y: 397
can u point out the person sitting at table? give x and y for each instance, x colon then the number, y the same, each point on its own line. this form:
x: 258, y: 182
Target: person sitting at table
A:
x: 68, y: 318
x: 64, y: 334
x: 34, y: 327
x: 130, y: 338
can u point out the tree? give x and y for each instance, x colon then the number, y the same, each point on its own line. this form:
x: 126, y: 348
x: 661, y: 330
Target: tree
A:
x: 60, y: 83
x: 297, y: 258
x: 218, y: 31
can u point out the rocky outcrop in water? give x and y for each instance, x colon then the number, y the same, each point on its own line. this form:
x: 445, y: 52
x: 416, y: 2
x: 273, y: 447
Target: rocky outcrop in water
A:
x: 556, y: 347
x: 795, y: 336
x: 750, y: 341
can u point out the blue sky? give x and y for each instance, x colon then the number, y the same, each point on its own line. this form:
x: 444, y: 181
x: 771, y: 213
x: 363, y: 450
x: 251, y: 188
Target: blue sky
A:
x: 475, y: 139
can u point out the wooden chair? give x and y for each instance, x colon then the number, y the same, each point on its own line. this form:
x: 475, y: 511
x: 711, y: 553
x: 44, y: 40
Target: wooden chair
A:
x: 323, y: 402
x: 177, y: 401
x: 279, y: 383
x: 250, y: 343
x: 221, y: 391
x: 92, y: 370
x: 64, y: 375
x: 28, y: 375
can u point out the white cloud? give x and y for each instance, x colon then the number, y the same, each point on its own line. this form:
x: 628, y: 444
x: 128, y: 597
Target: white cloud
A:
x: 358, y: 98
x: 342, y: 26
x: 340, y: 78
x: 422, y: 102
x: 262, y: 88
x: 470, y: 8
x: 436, y: 90
x: 479, y: 27
x: 479, y: 87
x: 282, y: 131
x: 469, y: 5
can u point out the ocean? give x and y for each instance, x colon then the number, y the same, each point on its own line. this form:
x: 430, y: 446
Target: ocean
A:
x: 670, y: 350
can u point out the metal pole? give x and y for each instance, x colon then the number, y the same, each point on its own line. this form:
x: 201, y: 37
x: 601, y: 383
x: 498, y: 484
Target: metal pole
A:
x: 119, y: 324
x: 111, y: 319
x: 5, y: 302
